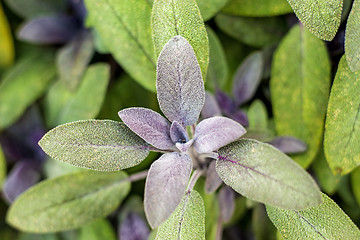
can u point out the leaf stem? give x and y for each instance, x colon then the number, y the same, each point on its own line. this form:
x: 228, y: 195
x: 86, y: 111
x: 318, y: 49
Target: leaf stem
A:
x: 154, y: 149
x: 195, y: 176
x: 138, y: 176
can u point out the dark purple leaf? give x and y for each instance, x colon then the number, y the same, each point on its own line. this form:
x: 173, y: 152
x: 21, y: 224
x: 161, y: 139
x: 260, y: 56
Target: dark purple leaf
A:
x: 227, y: 105
x: 179, y: 83
x: 24, y: 175
x: 247, y: 78
x: 216, y: 132
x: 79, y: 9
x: 178, y: 134
x: 289, y: 145
x: 239, y: 116
x: 226, y: 202
x: 149, y: 125
x: 213, y: 181
x: 49, y: 30
x: 133, y: 228
x: 165, y: 186
x: 183, y: 147
x: 211, y: 107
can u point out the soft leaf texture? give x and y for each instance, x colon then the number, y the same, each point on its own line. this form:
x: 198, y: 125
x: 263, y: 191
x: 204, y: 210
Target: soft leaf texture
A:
x: 209, y: 8
x: 101, y: 145
x: 321, y: 17
x: 165, y: 186
x: 288, y: 145
x: 178, y: 134
x: 124, y: 27
x: 341, y: 143
x: 187, y: 222
x: 257, y: 8
x: 173, y: 18
x: 33, y: 8
x: 325, y: 221
x: 97, y: 230
x: 355, y: 182
x: 216, y: 132
x: 264, y: 174
x: 179, y: 85
x: 149, y: 125
x: 213, y: 181
x: 211, y: 108
x: 23, y: 84
x: 299, y: 91
x: 247, y: 78
x: 68, y: 201
x: 7, y: 54
x: 74, y: 57
x: 352, y: 42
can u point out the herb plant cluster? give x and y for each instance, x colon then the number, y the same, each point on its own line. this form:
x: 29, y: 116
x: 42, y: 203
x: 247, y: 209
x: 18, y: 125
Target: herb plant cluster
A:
x: 211, y: 95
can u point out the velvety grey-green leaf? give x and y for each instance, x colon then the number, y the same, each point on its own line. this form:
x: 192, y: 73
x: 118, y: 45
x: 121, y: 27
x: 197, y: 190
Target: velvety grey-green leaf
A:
x: 97, y: 230
x: 172, y: 18
x: 209, y: 8
x: 262, y: 173
x: 355, y: 183
x: 124, y: 28
x: 321, y: 17
x: 352, y: 42
x: 101, y: 145
x: 325, y: 221
x: 300, y: 91
x: 256, y: 32
x: 68, y: 201
x: 23, y: 84
x: 257, y: 8
x: 341, y: 143
x: 180, y: 89
x: 187, y: 222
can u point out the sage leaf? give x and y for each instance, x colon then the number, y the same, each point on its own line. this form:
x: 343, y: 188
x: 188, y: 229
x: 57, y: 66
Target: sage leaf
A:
x: 7, y: 53
x: 341, y: 143
x: 209, y: 8
x: 299, y: 92
x: 165, y: 186
x: 124, y: 27
x: 179, y: 85
x: 2, y: 168
x: 173, y: 18
x: 33, y: 8
x: 211, y: 107
x: 75, y: 199
x: 321, y: 17
x: 133, y: 227
x: 32, y: 236
x: 97, y: 230
x: 216, y: 132
x: 258, y: 116
x: 352, y: 42
x: 288, y: 145
x: 149, y: 125
x: 257, y: 8
x: 355, y: 183
x: 178, y: 134
x: 226, y: 203
x: 188, y: 220
x: 262, y: 173
x: 23, y: 84
x: 325, y: 221
x: 101, y: 145
x: 213, y: 181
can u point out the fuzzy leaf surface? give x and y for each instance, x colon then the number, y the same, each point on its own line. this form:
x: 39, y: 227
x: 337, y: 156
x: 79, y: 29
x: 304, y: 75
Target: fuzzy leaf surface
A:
x: 149, y: 125
x: 173, y: 18
x: 299, y: 92
x: 101, y: 145
x: 325, y: 221
x: 180, y: 88
x: 264, y: 174
x: 352, y: 42
x: 321, y: 17
x: 257, y: 8
x: 68, y: 201
x: 165, y: 186
x: 7, y: 53
x: 124, y: 27
x: 216, y: 132
x: 188, y: 220
x: 341, y: 143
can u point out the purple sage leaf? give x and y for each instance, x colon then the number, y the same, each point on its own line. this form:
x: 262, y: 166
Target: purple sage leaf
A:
x: 226, y: 202
x: 178, y: 134
x: 216, y: 132
x: 165, y: 186
x: 49, y: 30
x: 247, y: 78
x: 289, y: 145
x: 213, y: 181
x: 227, y: 105
x: 211, y: 107
x: 133, y: 228
x: 239, y: 116
x: 149, y: 125
x: 179, y: 84
x: 183, y: 147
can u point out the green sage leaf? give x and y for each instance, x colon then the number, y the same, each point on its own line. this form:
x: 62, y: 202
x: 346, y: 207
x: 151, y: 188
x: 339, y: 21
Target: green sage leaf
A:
x: 341, y: 143
x: 321, y: 17
x: 188, y: 220
x: 299, y: 91
x: 97, y: 230
x: 31, y: 236
x: 326, y: 221
x: 124, y: 27
x: 23, y: 84
x: 2, y: 168
x: 209, y: 8
x: 257, y: 8
x: 355, y: 183
x: 352, y: 41
x: 7, y: 54
x: 33, y: 8
x: 68, y: 201
x: 262, y: 173
x: 101, y: 145
x: 173, y: 18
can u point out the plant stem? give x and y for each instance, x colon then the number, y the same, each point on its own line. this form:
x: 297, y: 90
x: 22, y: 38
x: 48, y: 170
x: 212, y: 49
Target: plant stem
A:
x: 138, y: 176
x: 197, y: 173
